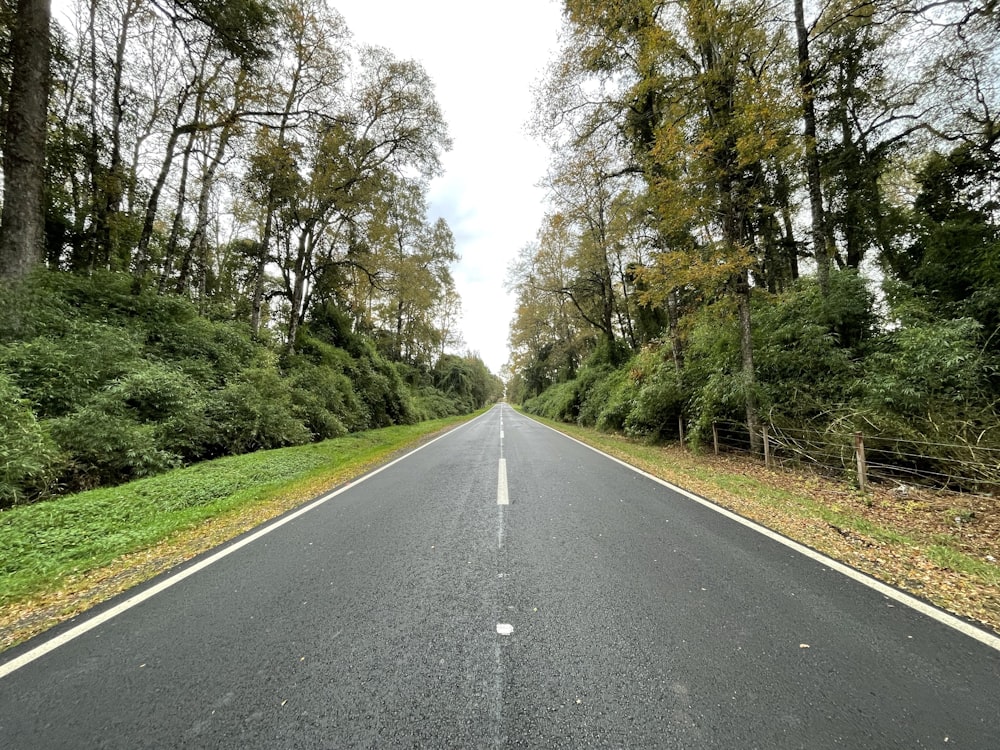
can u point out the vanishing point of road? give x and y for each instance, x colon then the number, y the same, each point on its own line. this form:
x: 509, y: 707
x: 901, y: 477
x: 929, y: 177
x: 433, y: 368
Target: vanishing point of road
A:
x: 506, y: 586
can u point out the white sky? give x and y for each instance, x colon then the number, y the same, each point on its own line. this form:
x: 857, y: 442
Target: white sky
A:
x: 483, y: 58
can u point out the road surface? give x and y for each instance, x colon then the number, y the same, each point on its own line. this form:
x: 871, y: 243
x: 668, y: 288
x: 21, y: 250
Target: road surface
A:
x: 505, y: 586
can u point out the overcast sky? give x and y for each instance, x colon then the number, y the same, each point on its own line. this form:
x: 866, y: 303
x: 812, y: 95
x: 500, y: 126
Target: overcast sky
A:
x: 483, y: 58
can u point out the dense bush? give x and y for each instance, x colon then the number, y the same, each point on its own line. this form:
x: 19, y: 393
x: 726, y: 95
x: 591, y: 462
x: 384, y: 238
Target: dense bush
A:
x: 253, y: 412
x: 558, y: 402
x: 466, y: 381
x: 27, y: 455
x: 103, y: 383
x: 922, y: 388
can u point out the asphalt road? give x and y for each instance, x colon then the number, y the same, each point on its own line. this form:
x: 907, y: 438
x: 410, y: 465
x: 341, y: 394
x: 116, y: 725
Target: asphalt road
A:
x: 598, y: 609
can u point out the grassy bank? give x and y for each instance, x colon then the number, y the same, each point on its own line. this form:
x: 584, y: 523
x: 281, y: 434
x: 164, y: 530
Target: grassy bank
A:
x: 61, y: 556
x: 942, y: 547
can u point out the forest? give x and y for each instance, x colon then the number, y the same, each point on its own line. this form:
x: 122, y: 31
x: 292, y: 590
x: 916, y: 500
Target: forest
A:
x: 772, y: 215
x: 215, y: 239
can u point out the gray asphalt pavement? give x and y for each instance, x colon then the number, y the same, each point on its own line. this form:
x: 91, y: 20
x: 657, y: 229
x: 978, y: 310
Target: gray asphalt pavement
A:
x: 599, y: 609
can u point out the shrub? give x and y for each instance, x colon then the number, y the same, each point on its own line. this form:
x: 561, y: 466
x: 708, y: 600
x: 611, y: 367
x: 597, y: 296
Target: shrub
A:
x: 658, y: 403
x: 430, y: 403
x: 254, y: 412
x: 593, y: 389
x: 803, y: 354
x: 622, y: 392
x: 58, y: 373
x: 324, y: 399
x: 558, y: 402
x: 101, y: 448
x: 929, y: 372
x: 27, y: 455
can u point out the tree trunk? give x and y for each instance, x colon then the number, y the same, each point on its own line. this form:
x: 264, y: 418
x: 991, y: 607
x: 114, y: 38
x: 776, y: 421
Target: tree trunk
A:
x: 260, y: 266
x: 821, y: 243
x: 142, y: 252
x: 299, y: 272
x: 22, y: 223
x: 199, y: 239
x: 790, y: 252
x: 170, y: 252
x: 742, y: 282
x: 673, y: 320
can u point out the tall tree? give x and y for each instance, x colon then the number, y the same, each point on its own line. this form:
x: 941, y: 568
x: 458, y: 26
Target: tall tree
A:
x: 241, y: 27
x: 22, y: 223
x: 822, y: 240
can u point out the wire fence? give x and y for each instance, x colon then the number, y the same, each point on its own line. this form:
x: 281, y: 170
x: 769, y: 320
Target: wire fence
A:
x: 958, y: 466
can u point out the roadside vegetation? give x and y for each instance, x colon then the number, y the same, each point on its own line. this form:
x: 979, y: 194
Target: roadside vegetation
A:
x: 215, y: 239
x: 775, y: 225
x: 772, y: 215
x: 103, y: 384
x: 62, y: 556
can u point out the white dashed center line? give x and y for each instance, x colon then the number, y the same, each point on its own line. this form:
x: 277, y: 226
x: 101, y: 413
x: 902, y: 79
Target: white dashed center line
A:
x: 502, y: 496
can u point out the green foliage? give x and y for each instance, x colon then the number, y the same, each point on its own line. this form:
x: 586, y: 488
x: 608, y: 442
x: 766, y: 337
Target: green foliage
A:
x: 255, y: 412
x: 108, y: 383
x: 808, y: 348
x: 558, y: 402
x: 617, y: 405
x: 241, y: 27
x: 712, y: 365
x: 954, y: 258
x: 467, y: 381
x: 103, y: 448
x: 66, y: 365
x: 594, y: 385
x: 658, y: 402
x: 929, y: 371
x: 27, y: 454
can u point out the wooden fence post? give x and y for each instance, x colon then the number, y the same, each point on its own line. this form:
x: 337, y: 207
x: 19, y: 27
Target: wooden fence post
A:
x: 859, y: 454
x: 767, y: 447
x: 715, y: 437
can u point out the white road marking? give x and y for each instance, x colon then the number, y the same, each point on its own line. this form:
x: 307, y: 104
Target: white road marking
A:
x: 951, y: 621
x: 504, y: 628
x: 502, y: 497
x: 499, y: 739
x: 93, y: 622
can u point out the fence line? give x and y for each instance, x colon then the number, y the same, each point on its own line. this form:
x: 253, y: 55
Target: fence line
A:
x: 866, y: 457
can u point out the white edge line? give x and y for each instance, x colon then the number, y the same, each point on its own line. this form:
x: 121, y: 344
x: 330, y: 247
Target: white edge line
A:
x: 885, y: 589
x: 60, y: 640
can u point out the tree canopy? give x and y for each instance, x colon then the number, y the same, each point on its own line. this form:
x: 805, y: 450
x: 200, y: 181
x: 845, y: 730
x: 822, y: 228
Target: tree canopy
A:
x: 233, y: 247
x: 799, y: 192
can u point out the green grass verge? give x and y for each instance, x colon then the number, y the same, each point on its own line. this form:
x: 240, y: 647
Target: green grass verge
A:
x: 42, y: 544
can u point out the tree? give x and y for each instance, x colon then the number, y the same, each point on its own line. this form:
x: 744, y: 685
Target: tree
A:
x: 414, y: 273
x: 547, y: 341
x: 821, y: 238
x: 241, y: 27
x: 22, y: 223
x: 591, y: 217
